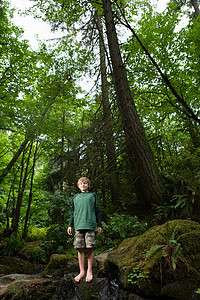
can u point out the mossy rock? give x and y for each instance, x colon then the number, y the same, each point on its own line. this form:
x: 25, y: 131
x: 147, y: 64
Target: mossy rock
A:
x: 10, y: 265
x: 145, y: 264
x: 28, y: 287
x: 34, y: 287
x: 60, y: 264
x: 98, y: 289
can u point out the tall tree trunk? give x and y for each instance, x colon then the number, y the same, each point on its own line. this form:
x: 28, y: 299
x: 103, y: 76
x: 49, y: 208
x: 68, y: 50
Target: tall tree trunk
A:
x: 109, y: 139
x: 22, y: 185
x: 30, y: 195
x: 6, y: 170
x: 8, y: 207
x: 194, y: 134
x: 148, y: 184
x: 196, y: 8
x: 63, y: 151
x: 13, y: 206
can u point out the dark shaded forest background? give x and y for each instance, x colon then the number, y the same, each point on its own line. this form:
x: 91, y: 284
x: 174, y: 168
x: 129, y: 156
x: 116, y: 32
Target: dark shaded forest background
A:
x: 135, y: 134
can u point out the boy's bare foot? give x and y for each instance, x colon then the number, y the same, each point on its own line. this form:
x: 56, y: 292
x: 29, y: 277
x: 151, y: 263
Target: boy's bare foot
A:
x: 89, y: 277
x: 79, y: 276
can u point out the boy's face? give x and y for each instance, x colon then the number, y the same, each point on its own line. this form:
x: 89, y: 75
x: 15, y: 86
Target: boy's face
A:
x: 83, y: 186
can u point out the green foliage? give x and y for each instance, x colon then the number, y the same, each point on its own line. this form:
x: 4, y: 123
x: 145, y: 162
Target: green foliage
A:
x: 136, y: 275
x: 34, y: 253
x: 117, y: 228
x: 57, y: 240
x: 181, y: 190
x: 12, y: 245
x: 197, y: 291
x: 59, y: 207
x: 184, y: 202
x: 36, y: 87
x: 37, y: 233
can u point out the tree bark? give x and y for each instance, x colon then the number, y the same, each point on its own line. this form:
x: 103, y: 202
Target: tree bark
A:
x: 196, y: 8
x: 62, y: 154
x: 30, y: 195
x: 148, y: 184
x: 7, y: 207
x: 22, y: 185
x: 109, y: 139
x: 6, y: 170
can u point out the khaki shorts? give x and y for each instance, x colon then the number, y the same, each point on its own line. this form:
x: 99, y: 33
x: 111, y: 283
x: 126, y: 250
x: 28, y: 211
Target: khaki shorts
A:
x: 84, y: 239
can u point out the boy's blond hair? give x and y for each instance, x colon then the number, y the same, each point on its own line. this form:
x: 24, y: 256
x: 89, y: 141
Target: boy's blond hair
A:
x: 84, y: 179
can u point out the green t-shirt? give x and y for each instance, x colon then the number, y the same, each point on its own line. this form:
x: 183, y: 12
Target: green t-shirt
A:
x: 85, y: 212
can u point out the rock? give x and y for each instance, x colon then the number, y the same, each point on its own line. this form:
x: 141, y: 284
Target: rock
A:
x: 162, y: 262
x: 181, y: 289
x: 10, y: 265
x: 17, y: 287
x: 99, y: 263
x: 26, y: 287
x: 99, y: 288
x: 59, y: 265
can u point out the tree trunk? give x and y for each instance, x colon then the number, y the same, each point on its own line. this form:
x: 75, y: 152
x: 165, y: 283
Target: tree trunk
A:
x: 109, y: 139
x: 196, y: 8
x: 13, y: 206
x: 30, y: 195
x: 148, y: 184
x: 6, y: 170
x: 8, y: 207
x: 22, y: 185
x: 62, y: 154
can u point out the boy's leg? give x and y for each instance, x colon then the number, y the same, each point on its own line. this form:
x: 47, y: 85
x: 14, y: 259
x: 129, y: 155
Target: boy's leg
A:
x: 90, y: 256
x: 81, y: 258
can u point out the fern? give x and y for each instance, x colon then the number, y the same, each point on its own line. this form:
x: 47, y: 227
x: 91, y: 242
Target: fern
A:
x: 171, y: 249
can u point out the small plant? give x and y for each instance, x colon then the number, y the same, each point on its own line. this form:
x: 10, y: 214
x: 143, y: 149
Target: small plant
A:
x: 184, y: 202
x: 198, y: 291
x: 162, y: 211
x: 137, y: 274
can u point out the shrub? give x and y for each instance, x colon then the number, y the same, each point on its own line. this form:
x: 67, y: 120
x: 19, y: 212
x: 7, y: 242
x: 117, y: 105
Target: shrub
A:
x: 12, y: 245
x: 57, y: 240
x: 117, y: 228
x: 37, y: 233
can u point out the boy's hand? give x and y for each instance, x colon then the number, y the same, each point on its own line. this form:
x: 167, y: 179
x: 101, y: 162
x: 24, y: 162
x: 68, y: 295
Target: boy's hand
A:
x: 99, y: 230
x: 69, y: 230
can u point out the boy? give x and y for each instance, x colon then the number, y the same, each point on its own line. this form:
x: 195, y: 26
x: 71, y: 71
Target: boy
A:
x: 84, y: 216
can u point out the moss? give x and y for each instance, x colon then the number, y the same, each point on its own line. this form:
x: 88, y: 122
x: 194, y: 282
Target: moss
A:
x: 88, y: 291
x: 132, y: 253
x: 15, y: 291
x: 9, y: 265
x: 31, y: 289
x: 58, y: 265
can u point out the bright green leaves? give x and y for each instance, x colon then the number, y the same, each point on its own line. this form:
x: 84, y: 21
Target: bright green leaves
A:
x: 61, y: 14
